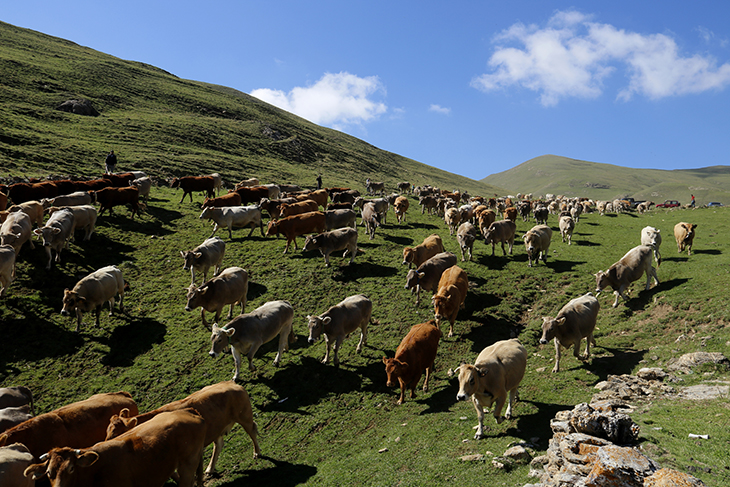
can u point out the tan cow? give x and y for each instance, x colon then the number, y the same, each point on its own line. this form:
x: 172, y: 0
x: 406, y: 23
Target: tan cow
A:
x: 16, y: 396
x: 416, y: 353
x: 452, y: 217
x: 400, y: 207
x: 92, y: 291
x: 206, y: 255
x: 247, y: 332
x: 222, y: 405
x: 537, y: 243
x: 247, y: 183
x: 228, y: 287
x: 144, y: 185
x: 296, y: 225
x: 575, y: 321
x: 497, y: 373
x: 466, y: 235
x: 34, y: 209
x: 56, y: 233
x: 684, y: 234
x: 630, y: 268
x: 289, y: 209
x: 427, y: 275
x: 10, y: 417
x: 339, y: 321
x: 84, y: 218
x: 14, y: 459
x: 7, y: 267
x: 147, y: 455
x: 76, y: 198
x: 450, y: 297
x: 340, y: 218
x: 371, y: 218
x: 234, y: 216
x: 653, y: 238
x: 566, y: 225
x: 328, y: 242
x: 419, y: 254
x: 16, y: 230
x: 501, y: 232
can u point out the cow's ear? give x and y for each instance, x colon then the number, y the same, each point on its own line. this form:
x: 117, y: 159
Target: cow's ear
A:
x: 203, y: 290
x: 385, y: 360
x: 132, y: 422
x: 326, y: 320
x: 38, y: 232
x: 87, y: 458
x: 694, y: 226
x: 197, y: 255
x: 545, y: 319
x: 182, y: 254
x: 560, y: 321
x: 229, y: 331
x: 421, y: 275
x: 125, y: 413
x: 36, y: 471
x: 56, y: 230
x: 481, y: 372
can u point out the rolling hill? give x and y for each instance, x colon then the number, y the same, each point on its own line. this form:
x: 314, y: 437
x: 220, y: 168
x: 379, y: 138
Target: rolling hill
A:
x: 572, y: 177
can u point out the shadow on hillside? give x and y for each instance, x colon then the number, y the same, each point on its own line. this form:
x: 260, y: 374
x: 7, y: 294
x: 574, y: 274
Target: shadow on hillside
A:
x: 151, y: 222
x: 645, y: 297
x: 255, y: 291
x: 438, y: 401
x: 363, y: 269
x: 529, y: 426
x: 620, y: 361
x: 675, y: 259
x: 707, y: 251
x: 283, y: 474
x: 127, y: 342
x: 585, y: 243
x: 563, y: 265
x: 485, y: 335
x: 427, y: 226
x: 496, y: 261
x: 398, y: 240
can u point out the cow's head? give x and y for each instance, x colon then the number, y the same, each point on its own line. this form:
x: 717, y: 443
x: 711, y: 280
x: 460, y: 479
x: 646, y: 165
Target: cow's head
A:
x: 195, y: 297
x: 272, y: 228
x: 469, y: 381
x: 190, y: 257
x: 312, y: 242
x: 220, y: 339
x: 530, y: 240
x: 205, y: 214
x: 10, y: 238
x: 602, y: 281
x: 489, y: 235
x: 550, y: 328
x: 409, y: 253
x: 72, y: 301
x: 413, y: 278
x: 175, y: 183
x: 441, y: 307
x: 394, y: 368
x: 120, y: 423
x: 47, y: 234
x: 316, y: 327
x: 60, y: 465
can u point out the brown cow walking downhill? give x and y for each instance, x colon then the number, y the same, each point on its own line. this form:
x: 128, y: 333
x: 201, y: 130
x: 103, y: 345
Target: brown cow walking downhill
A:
x: 630, y: 268
x: 684, y: 234
x: 419, y: 254
x: 575, y: 321
x: 450, y: 297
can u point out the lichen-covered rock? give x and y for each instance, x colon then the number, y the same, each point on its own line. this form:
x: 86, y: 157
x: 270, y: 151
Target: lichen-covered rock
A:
x: 686, y: 362
x: 518, y: 454
x: 666, y: 477
x: 611, y: 425
x: 618, y: 466
x: 651, y: 373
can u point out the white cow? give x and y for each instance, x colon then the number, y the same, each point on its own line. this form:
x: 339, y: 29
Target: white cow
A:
x: 92, y: 291
x: 653, y: 238
x: 339, y: 321
x: 56, y: 233
x: 234, y: 216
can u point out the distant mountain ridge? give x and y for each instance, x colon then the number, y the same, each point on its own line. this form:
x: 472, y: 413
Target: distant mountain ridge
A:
x: 573, y: 177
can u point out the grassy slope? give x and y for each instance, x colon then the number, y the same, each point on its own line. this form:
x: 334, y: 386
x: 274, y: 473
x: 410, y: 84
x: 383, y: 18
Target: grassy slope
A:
x: 561, y: 175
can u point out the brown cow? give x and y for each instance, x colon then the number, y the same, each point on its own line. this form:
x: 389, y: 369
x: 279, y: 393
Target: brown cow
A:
x: 400, y: 207
x: 108, y: 198
x: 3, y: 201
x: 510, y: 213
x: 450, y: 297
x: 305, y: 206
x: 76, y: 425
x: 575, y: 321
x: 427, y: 275
x: 485, y: 219
x: 22, y: 192
x: 222, y: 405
x: 228, y: 287
x: 251, y: 194
x: 34, y: 209
x: 148, y: 455
x: 419, y: 254
x: 630, y: 268
x: 273, y: 207
x: 190, y: 184
x: 501, y: 232
x: 120, y: 180
x: 230, y: 199
x: 684, y: 234
x: 296, y: 225
x: 416, y: 352
x: 537, y: 242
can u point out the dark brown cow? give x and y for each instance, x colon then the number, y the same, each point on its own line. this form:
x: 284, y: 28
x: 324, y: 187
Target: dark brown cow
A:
x: 296, y: 225
x: 190, y: 184
x: 252, y: 195
x: 108, y: 198
x: 22, y: 192
x: 230, y: 199
x: 450, y: 297
x: 120, y: 180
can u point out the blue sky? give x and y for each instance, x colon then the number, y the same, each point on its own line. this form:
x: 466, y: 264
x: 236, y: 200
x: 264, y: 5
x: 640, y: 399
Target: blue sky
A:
x: 472, y: 87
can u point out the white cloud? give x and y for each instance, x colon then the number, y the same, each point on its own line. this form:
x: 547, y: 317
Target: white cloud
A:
x: 573, y: 56
x: 337, y: 99
x: 439, y: 109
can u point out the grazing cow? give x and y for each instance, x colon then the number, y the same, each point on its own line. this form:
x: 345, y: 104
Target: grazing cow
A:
x: 371, y: 218
x: 450, y: 297
x: 92, y: 291
x: 228, y: 287
x: 501, y: 232
x: 10, y: 417
x: 419, y: 254
x: 328, y: 242
x: 230, y: 199
x: 147, y: 455
x: 77, y: 198
x: 416, y: 353
x: 340, y: 219
x: 339, y: 321
x: 247, y: 332
x: 247, y: 183
x: 190, y: 184
x: 566, y: 225
x: 400, y: 207
x: 206, y: 255
x: 452, y: 219
x: 234, y: 216
x: 34, y: 209
x: 404, y: 187
x: 16, y: 396
x: 466, y: 235
x: 537, y: 243
x: 653, y: 238
x: 222, y: 405
x: 373, y: 187
x: 684, y: 234
x: 575, y: 321
x: 55, y: 233
x: 7, y: 267
x: 630, y: 268
x: 430, y: 202
x: 427, y: 275
x: 298, y: 208
x: 75, y: 425
x: 84, y: 218
x: 144, y: 185
x: 14, y: 459
x: 16, y: 230
x: 495, y: 375
x: 108, y: 198
x: 510, y: 213
x: 541, y: 214
x: 296, y: 225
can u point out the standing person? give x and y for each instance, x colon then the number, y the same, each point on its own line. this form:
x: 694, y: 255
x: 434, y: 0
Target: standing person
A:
x: 319, y: 181
x: 692, y: 203
x: 110, y: 162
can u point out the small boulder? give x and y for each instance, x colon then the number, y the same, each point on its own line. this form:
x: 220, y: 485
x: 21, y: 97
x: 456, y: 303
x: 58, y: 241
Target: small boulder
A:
x: 79, y: 107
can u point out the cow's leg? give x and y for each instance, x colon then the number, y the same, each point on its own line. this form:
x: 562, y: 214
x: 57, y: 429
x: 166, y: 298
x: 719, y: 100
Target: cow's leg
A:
x: 181, y: 199
x: 111, y: 305
x: 363, y: 336
x: 511, y: 244
x: 327, y: 349
x: 556, y: 368
x: 78, y: 319
x: 403, y: 387
x: 617, y: 294
x: 249, y: 425
x: 337, y: 345
x: 589, y: 341
x: 497, y: 411
x: 252, y: 351
x: 202, y: 315
x: 451, y: 327
x: 217, y: 448
x: 215, y: 229
x: 283, y: 343
x: 326, y: 259
x: 480, y: 417
x: 237, y: 362
x: 50, y: 257
x: 429, y: 369
x: 504, y: 252
x: 98, y: 314
x: 512, y: 398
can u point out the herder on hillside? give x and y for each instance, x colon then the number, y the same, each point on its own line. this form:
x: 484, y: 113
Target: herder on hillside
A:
x: 110, y: 162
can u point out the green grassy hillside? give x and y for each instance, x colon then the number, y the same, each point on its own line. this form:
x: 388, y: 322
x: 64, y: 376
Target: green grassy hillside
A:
x: 571, y: 177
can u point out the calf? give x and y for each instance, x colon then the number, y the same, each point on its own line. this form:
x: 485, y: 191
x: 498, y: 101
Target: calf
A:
x: 148, y: 455
x: 450, y: 297
x: 144, y: 185
x: 230, y: 199
x: 16, y: 230
x: 108, y: 198
x: 575, y: 321
x: 190, y: 184
x: 452, y: 219
x: 339, y: 321
x: 371, y: 218
x: 7, y: 267
x: 427, y: 275
x: 228, y: 287
x: 92, y: 291
x: 222, y: 405
x: 466, y: 235
x: 501, y: 232
x: 14, y: 459
x: 630, y: 268
x: 566, y: 225
x: 497, y: 373
x: 206, y: 255
x: 339, y: 219
x: 684, y: 234
x: 10, y: 417
x: 84, y: 218
x: 56, y: 233
x: 293, y: 226
x: 298, y: 208
x: 328, y: 242
x: 416, y: 352
x: 653, y: 238
x: 537, y: 243
x: 247, y: 332
x: 77, y: 198
x: 16, y: 396
x: 419, y: 254
x: 76, y: 425
x: 400, y: 207
x: 234, y: 216
x: 217, y: 182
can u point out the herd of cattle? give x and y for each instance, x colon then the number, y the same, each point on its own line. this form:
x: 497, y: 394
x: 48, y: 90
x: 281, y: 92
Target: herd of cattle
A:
x: 105, y: 441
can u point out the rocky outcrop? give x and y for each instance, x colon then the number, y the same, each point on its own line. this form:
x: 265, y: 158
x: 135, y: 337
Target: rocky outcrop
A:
x: 79, y: 107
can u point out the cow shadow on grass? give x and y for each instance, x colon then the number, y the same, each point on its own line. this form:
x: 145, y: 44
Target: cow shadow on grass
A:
x: 619, y: 361
x: 284, y: 474
x: 496, y: 261
x: 563, y: 265
x: 437, y: 401
x: 427, y: 226
x: 358, y: 270
x: 487, y: 334
x: 646, y: 296
x: 674, y: 259
x: 255, y: 290
x: 398, y: 240
x: 707, y: 251
x: 528, y: 426
x: 128, y: 341
x: 585, y: 243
